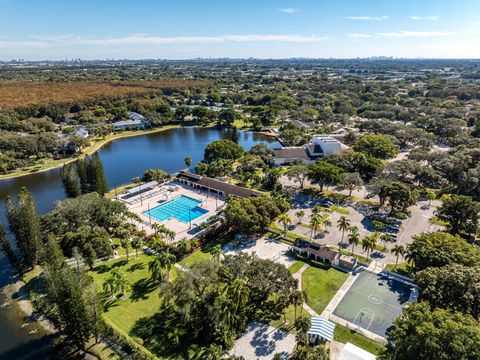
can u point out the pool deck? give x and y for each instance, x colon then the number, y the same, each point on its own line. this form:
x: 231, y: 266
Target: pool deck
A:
x: 182, y: 229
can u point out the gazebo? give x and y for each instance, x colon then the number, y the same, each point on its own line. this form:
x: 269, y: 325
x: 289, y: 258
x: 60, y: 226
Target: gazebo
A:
x: 321, y: 329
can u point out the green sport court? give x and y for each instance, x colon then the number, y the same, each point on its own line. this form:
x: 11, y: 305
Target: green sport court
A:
x: 373, y: 302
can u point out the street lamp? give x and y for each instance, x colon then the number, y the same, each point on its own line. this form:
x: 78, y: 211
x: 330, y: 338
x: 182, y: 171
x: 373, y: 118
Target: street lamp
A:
x: 190, y: 217
x: 149, y: 216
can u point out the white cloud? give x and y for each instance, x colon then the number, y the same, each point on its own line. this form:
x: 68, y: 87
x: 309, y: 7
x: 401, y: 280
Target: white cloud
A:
x: 366, y: 18
x: 142, y: 39
x: 289, y: 10
x: 428, y: 18
x: 415, y: 34
x: 360, y: 35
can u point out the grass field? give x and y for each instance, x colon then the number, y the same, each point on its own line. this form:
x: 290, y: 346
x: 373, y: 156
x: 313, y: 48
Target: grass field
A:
x: 321, y: 285
x: 297, y: 265
x: 344, y: 335
x: 142, y: 300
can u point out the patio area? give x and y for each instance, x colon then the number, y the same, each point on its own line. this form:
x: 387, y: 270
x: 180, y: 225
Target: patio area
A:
x: 187, y: 226
x: 265, y: 248
x: 263, y: 342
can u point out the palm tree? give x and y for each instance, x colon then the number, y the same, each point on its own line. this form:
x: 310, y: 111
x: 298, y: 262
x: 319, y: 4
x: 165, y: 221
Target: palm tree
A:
x: 285, y: 220
x: 167, y: 260
x: 353, y: 238
x: 398, y: 250
x: 136, y: 244
x: 297, y: 298
x: 156, y: 269
x: 343, y: 224
x: 217, y: 253
x: 123, y: 233
x: 303, y: 300
x: 110, y: 287
x: 237, y: 292
x: 315, y: 224
x: 326, y: 223
x: 300, y: 214
x: 386, y: 238
x: 184, y: 246
x: 213, y: 352
x: 369, y: 243
x: 123, y: 286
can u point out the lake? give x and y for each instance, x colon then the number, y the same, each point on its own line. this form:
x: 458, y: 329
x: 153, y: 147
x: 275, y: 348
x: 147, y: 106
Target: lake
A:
x: 123, y: 159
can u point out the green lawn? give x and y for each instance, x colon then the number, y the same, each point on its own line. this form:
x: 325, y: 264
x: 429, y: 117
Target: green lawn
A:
x: 142, y: 300
x: 290, y: 316
x: 297, y: 265
x: 321, y: 285
x: 344, y: 335
x: 199, y: 255
x: 402, y: 268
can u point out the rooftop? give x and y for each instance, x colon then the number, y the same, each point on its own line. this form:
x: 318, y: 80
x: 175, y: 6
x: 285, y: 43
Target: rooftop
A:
x: 215, y: 184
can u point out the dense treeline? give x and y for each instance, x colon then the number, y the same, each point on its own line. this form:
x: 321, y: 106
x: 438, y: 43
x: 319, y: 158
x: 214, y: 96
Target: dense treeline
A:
x: 84, y: 176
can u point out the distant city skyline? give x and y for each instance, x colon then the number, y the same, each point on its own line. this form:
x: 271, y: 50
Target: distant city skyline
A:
x: 186, y: 29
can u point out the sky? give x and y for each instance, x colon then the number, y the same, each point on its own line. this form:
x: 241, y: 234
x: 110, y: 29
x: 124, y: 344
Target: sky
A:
x: 184, y: 29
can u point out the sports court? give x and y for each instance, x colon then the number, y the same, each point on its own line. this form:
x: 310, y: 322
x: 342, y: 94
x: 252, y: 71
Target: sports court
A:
x: 373, y: 302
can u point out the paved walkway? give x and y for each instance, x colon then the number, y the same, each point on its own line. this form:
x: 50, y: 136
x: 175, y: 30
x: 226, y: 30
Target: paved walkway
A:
x: 298, y: 277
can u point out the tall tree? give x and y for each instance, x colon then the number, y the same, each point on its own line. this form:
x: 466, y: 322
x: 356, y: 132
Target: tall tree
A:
x: 71, y: 301
x: 188, y: 162
x: 82, y: 174
x: 298, y: 173
x: 398, y: 250
x: 350, y: 182
x: 71, y: 180
x: 343, y: 224
x: 422, y: 333
x: 100, y: 184
x: 324, y: 173
x: 354, y: 237
x: 24, y: 223
x: 461, y: 213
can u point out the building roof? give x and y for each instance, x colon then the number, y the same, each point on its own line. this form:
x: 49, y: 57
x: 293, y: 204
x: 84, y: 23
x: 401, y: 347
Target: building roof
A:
x: 316, y: 249
x: 136, y: 116
x: 141, y: 188
x: 304, y: 124
x: 352, y: 352
x: 322, y: 328
x: 215, y: 184
x: 293, y: 152
x: 315, y: 151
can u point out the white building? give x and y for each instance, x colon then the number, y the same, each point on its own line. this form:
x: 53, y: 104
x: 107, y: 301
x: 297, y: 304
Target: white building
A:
x: 320, y: 146
x: 135, y: 121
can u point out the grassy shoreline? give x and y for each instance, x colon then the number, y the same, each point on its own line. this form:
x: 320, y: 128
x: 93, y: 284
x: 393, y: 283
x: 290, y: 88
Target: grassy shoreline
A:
x: 97, y: 145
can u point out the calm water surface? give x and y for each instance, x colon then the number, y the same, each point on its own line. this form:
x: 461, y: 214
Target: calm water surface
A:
x: 123, y: 160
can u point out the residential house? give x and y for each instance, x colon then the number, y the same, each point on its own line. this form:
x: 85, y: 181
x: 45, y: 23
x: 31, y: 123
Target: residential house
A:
x: 135, y: 121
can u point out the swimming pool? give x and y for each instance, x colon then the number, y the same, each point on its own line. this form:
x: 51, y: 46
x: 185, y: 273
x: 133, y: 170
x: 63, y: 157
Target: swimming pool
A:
x: 183, y: 208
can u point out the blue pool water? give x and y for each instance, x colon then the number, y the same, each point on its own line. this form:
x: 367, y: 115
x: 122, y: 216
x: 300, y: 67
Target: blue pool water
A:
x: 183, y: 208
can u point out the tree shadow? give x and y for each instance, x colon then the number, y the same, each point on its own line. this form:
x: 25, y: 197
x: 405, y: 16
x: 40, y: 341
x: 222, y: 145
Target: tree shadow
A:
x: 138, y: 266
x: 109, y: 303
x: 119, y: 263
x: 141, y: 288
x: 101, y: 269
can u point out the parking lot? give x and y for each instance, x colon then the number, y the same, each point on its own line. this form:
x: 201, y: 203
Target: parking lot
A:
x: 358, y: 215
